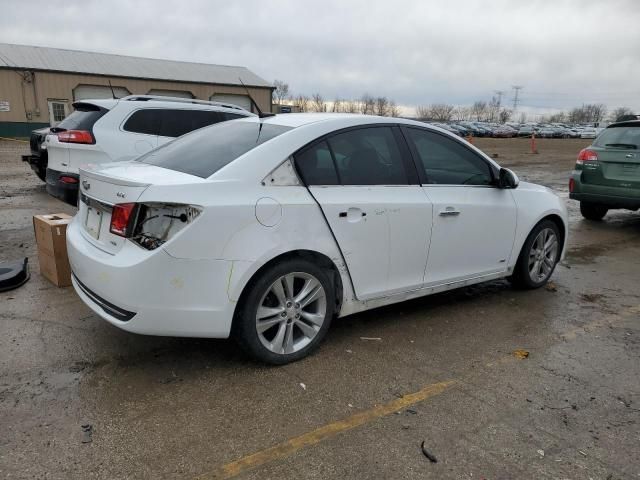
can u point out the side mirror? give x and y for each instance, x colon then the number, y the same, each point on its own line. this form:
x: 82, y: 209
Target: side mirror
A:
x: 507, y: 179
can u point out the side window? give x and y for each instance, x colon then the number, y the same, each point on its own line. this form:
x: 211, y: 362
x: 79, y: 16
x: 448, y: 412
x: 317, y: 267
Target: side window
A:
x: 315, y: 165
x: 447, y: 162
x: 178, y: 122
x: 143, y: 121
x: 368, y: 156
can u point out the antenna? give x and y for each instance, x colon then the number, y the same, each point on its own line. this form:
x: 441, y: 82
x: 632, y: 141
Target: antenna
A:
x: 112, y: 93
x: 253, y: 102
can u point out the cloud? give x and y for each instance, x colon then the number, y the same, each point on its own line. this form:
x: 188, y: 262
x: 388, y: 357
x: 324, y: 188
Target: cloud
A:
x: 564, y: 52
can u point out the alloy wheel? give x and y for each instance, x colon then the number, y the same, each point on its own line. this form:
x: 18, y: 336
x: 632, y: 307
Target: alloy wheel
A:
x: 291, y: 313
x: 543, y: 255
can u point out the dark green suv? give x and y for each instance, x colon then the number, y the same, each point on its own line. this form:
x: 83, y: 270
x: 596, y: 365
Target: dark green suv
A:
x: 607, y: 173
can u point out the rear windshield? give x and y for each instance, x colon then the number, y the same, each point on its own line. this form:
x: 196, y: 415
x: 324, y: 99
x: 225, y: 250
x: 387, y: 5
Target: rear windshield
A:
x: 82, y: 118
x: 205, y: 151
x: 624, y: 136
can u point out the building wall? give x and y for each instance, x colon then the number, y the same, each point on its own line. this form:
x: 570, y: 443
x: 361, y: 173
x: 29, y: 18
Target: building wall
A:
x: 19, y: 121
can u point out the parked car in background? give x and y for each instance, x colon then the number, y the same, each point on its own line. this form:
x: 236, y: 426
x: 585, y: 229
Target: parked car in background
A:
x: 38, y: 158
x: 115, y: 130
x: 607, y: 173
x: 266, y: 229
x: 546, y: 132
x: 588, y: 132
x: 525, y: 131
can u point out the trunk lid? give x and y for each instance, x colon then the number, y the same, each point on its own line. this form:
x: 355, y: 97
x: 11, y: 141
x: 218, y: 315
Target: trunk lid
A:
x: 103, y: 186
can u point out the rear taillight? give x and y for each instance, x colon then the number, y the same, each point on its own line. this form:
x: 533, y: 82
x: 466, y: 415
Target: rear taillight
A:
x: 122, y: 219
x: 586, y: 155
x: 572, y: 185
x: 75, y: 136
x: 68, y: 179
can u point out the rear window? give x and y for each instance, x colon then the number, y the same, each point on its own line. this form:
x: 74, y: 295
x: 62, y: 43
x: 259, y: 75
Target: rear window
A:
x: 623, y: 136
x: 205, y: 151
x: 83, y: 117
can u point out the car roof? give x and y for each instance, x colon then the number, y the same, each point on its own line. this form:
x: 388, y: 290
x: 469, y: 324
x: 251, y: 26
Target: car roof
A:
x: 626, y: 123
x: 295, y: 120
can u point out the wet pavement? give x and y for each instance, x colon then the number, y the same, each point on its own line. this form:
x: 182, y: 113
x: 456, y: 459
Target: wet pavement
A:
x: 82, y: 399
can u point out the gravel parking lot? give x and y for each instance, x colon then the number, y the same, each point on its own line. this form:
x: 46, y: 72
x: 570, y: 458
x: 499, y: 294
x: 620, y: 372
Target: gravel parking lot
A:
x: 450, y: 370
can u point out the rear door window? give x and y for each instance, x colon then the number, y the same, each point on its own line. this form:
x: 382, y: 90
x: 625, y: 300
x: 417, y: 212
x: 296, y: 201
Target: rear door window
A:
x: 204, y: 152
x: 316, y: 166
x: 368, y: 156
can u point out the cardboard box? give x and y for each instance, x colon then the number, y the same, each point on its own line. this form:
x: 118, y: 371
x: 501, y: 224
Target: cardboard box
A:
x: 51, y: 238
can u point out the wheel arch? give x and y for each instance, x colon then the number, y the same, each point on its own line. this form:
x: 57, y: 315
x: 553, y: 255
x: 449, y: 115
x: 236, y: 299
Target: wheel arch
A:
x: 313, y: 256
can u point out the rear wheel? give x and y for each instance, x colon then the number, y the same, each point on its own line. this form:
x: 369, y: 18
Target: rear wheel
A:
x: 286, y: 312
x: 539, y: 256
x: 593, y: 211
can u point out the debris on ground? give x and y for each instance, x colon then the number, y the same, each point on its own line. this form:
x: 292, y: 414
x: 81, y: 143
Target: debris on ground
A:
x: 521, y: 354
x: 304, y: 387
x: 541, y: 453
x: 371, y: 338
x: 428, y: 454
x: 591, y: 297
x: 551, y: 287
x: 13, y: 274
x: 87, y: 431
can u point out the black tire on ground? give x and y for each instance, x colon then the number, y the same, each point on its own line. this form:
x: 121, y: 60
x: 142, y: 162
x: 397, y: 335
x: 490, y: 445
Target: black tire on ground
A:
x: 244, y: 329
x: 42, y: 174
x: 520, y: 277
x: 593, y: 211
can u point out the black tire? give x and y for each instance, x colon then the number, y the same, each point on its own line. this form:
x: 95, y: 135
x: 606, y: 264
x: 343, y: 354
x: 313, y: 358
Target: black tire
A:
x: 593, y: 211
x: 244, y: 329
x: 521, y: 277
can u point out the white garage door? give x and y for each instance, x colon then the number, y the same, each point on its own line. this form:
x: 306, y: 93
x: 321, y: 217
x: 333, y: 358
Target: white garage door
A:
x: 85, y: 92
x: 239, y: 100
x: 171, y: 93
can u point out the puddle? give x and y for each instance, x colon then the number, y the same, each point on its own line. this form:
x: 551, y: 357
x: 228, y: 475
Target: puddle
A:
x: 585, y: 254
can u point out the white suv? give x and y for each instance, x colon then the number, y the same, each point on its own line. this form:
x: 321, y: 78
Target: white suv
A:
x: 114, y: 130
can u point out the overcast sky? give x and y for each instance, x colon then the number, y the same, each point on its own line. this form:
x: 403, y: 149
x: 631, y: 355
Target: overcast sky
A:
x: 563, y: 52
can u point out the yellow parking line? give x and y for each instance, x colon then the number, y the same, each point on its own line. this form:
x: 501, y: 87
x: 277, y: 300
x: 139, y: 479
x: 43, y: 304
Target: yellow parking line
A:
x: 318, y: 435
x: 14, y: 139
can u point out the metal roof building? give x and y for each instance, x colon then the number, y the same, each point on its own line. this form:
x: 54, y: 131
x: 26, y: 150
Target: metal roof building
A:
x: 39, y: 84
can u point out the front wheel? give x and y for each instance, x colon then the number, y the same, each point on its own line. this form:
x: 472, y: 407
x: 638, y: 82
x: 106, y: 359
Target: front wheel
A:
x: 286, y: 312
x: 593, y: 211
x: 539, y: 256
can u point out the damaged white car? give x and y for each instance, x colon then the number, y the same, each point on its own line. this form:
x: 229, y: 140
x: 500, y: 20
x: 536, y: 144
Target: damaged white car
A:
x: 266, y: 229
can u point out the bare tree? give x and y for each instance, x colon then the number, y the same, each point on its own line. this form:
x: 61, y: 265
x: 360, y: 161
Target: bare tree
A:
x: 422, y: 112
x: 441, y: 112
x: 619, y: 112
x: 337, y: 106
x: 394, y: 110
x: 281, y: 91
x: 352, y: 106
x: 382, y: 106
x: 479, y: 110
x: 522, y: 118
x: 317, y: 103
x: 367, y: 104
x: 302, y: 102
x: 505, y: 115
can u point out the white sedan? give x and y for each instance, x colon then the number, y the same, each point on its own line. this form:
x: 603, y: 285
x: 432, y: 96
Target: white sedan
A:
x: 265, y: 229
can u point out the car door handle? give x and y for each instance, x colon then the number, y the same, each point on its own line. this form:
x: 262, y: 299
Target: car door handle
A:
x: 344, y: 214
x: 449, y: 212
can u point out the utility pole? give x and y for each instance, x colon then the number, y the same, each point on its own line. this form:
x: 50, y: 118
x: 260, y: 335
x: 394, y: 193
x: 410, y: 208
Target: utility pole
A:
x: 516, y: 94
x: 499, y: 93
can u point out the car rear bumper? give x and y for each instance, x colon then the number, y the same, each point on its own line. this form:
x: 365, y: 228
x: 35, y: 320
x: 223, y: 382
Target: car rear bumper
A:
x: 67, y: 192
x: 151, y: 292
x: 609, y: 196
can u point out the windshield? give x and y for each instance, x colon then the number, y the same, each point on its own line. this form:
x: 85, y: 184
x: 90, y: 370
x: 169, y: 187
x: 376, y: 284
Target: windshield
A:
x: 203, y: 152
x: 624, y: 136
